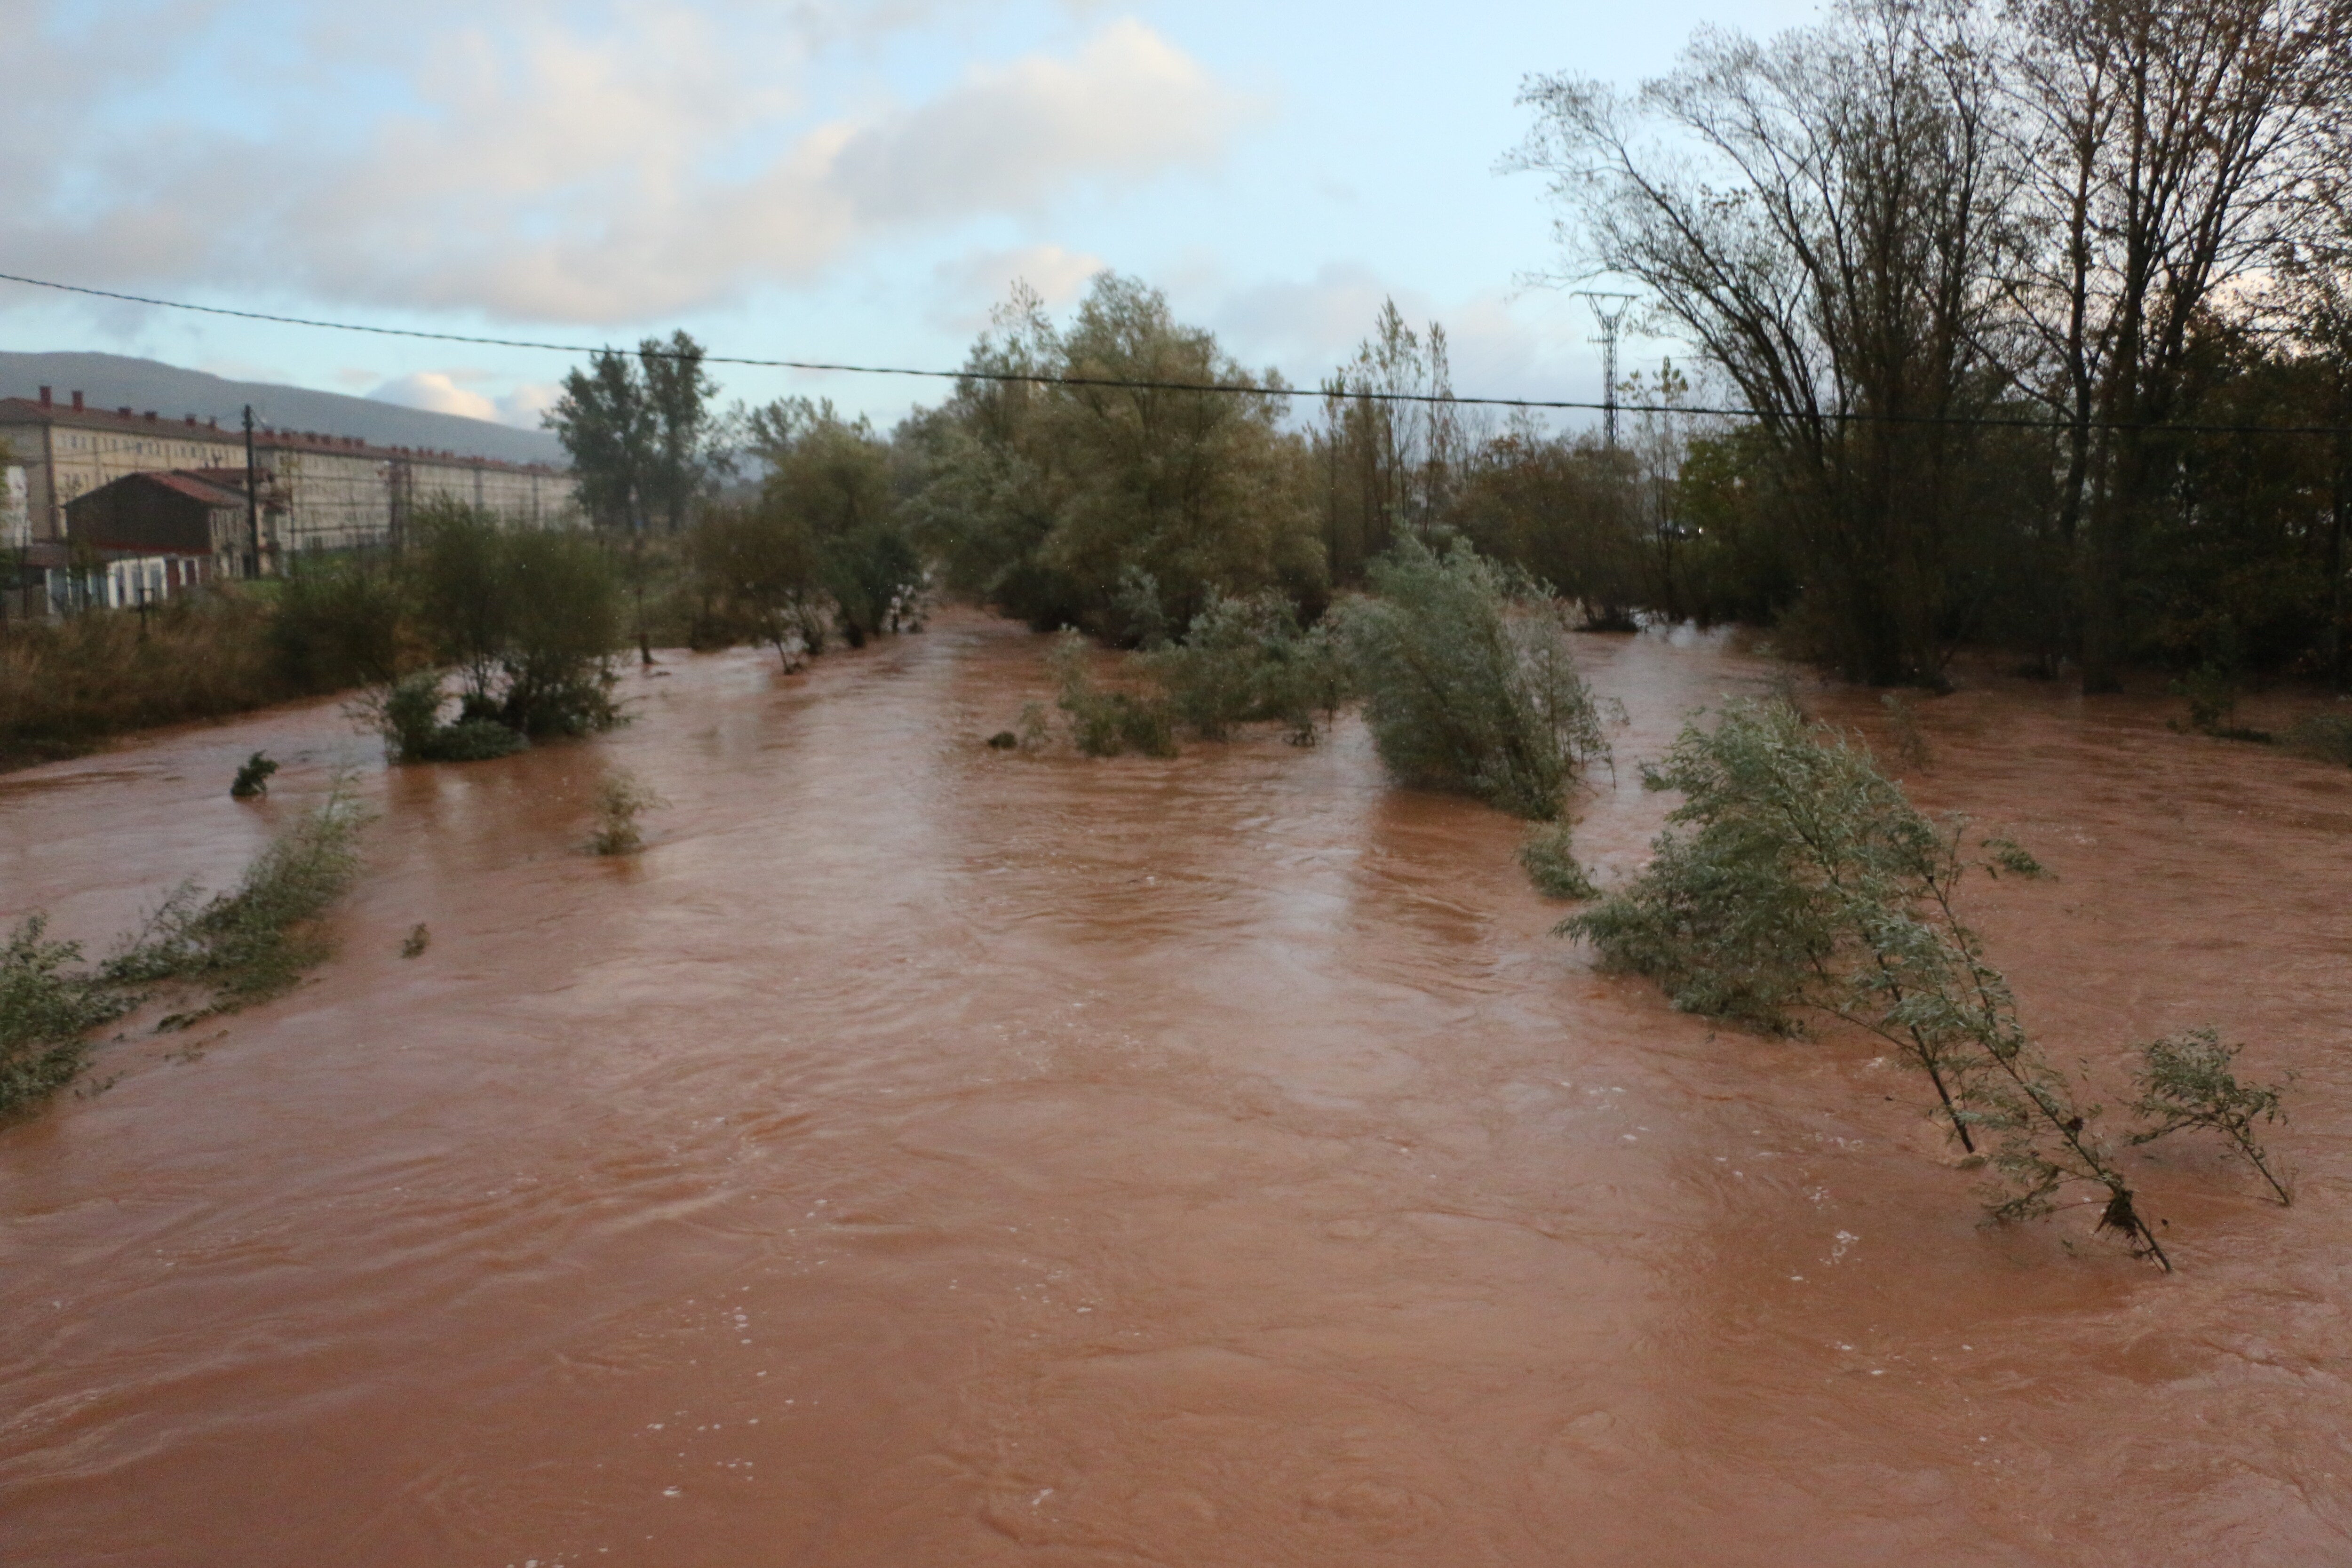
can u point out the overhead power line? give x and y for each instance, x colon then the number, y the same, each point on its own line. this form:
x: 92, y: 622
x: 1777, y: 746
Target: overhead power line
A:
x: 1126, y: 383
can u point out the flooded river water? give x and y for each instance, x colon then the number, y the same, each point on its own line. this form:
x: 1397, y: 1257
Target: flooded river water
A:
x: 928, y: 1155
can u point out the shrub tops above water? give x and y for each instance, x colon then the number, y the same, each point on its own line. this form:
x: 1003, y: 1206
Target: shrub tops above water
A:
x: 1467, y: 682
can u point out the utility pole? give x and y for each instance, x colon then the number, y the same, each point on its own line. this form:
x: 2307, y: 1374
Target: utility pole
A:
x: 1610, y: 310
x: 252, y: 501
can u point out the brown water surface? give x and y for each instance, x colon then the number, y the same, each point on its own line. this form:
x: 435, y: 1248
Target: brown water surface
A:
x: 927, y: 1155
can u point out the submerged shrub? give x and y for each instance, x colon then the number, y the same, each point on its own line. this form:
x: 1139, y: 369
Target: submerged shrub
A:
x: 1107, y: 723
x: 252, y: 777
x: 409, y: 715
x: 251, y: 943
x: 1245, y: 660
x: 1547, y: 855
x: 1466, y: 679
x: 48, y: 1007
x: 621, y: 799
x: 1795, y: 878
x: 530, y: 618
x: 242, y: 946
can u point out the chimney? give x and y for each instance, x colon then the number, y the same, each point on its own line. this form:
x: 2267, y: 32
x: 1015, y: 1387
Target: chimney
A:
x: 150, y: 417
x: 45, y: 397
x: 77, y: 397
x: 123, y: 411
x: 192, y: 421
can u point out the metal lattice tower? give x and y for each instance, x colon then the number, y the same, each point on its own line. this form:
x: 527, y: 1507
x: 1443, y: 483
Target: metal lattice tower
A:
x: 1608, y: 309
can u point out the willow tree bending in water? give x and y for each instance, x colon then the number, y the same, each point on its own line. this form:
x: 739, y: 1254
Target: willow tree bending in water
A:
x: 1796, y: 879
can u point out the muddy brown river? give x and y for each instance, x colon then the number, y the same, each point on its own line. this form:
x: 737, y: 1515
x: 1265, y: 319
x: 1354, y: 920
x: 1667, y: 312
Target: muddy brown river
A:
x: 927, y: 1155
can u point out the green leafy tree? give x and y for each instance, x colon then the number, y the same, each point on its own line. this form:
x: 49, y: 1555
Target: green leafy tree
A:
x: 1054, y: 500
x: 642, y: 434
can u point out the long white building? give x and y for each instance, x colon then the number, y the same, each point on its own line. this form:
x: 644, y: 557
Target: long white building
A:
x: 311, y: 492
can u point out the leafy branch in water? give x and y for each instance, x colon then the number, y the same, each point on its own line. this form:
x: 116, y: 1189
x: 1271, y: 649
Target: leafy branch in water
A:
x: 1794, y: 877
x: 2185, y: 1081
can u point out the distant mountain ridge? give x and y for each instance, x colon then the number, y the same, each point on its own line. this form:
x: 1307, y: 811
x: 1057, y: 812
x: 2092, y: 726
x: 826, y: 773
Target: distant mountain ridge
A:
x: 111, y: 381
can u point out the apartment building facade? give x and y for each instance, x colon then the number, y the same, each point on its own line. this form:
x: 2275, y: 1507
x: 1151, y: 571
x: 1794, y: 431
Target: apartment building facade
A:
x: 311, y: 493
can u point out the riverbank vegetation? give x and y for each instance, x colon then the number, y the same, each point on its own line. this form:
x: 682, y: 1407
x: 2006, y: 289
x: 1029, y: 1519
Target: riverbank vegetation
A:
x: 1795, y: 881
x: 214, y: 954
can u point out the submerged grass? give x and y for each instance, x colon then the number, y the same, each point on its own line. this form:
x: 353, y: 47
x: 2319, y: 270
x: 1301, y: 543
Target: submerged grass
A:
x: 253, y: 943
x: 231, y: 949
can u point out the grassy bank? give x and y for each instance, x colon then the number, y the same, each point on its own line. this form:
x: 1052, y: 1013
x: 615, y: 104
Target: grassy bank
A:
x: 67, y: 686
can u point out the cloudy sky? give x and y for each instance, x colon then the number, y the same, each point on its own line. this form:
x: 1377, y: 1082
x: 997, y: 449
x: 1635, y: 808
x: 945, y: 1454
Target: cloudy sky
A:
x: 852, y: 180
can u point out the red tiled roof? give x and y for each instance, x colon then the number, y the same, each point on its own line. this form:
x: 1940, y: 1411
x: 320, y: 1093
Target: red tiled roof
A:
x: 188, y: 484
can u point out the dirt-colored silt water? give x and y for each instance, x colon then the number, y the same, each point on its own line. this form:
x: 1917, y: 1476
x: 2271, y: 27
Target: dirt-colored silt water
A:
x: 929, y: 1155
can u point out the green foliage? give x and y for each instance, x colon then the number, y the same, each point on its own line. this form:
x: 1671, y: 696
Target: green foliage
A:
x: 756, y: 571
x: 252, y: 777
x: 1055, y: 501
x: 2212, y: 690
x: 1547, y: 855
x: 66, y: 685
x: 877, y: 581
x: 47, y: 1006
x: 254, y: 942
x: 620, y: 798
x: 342, y: 623
x: 2184, y: 1081
x: 530, y: 618
x: 1467, y: 682
x: 409, y: 716
x: 640, y: 432
x: 1245, y: 660
x: 1795, y: 878
x: 826, y: 537
x: 1107, y: 723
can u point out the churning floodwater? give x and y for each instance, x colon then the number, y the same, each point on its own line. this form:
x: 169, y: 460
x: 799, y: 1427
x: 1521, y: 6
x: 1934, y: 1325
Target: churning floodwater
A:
x: 927, y: 1155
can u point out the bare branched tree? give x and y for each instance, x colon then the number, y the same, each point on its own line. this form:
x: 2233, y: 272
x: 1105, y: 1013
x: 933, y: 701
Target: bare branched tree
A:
x: 1822, y: 216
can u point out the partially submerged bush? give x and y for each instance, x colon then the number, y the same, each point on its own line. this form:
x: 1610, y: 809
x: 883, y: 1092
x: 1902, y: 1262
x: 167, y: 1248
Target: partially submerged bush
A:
x: 252, y: 777
x: 1795, y: 878
x: 1245, y: 660
x: 254, y: 942
x: 238, y: 947
x: 621, y: 799
x: 48, y: 1005
x: 1911, y: 747
x: 1106, y: 723
x: 530, y: 619
x: 1547, y: 855
x: 409, y: 715
x: 1467, y: 682
x: 2212, y: 691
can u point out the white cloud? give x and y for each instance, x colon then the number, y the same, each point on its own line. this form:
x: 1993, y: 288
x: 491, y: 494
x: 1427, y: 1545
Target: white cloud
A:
x: 975, y: 282
x: 443, y: 391
x: 596, y: 164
